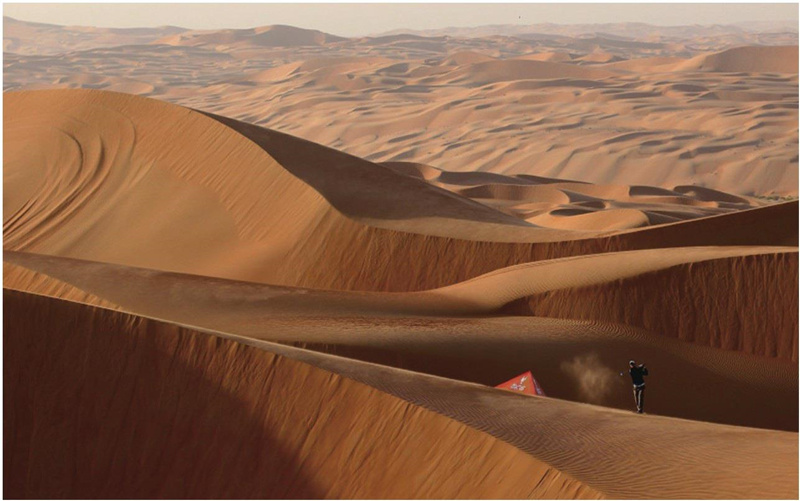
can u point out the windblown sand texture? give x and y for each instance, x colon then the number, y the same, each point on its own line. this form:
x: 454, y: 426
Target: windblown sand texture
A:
x: 201, y: 306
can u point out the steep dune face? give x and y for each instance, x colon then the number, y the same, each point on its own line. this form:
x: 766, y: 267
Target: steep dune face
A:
x: 448, y: 261
x: 747, y: 303
x: 358, y: 189
x: 168, y: 412
x: 282, y: 411
x: 114, y: 158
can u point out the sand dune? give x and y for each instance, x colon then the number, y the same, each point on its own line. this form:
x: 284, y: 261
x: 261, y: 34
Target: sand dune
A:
x: 268, y: 445
x: 481, y: 295
x: 264, y: 36
x: 748, y: 59
x: 299, y: 266
x: 278, y: 218
x: 53, y: 39
x: 760, y: 318
x: 503, y: 71
x: 268, y: 398
x: 442, y: 332
x: 546, y: 105
x: 18, y: 277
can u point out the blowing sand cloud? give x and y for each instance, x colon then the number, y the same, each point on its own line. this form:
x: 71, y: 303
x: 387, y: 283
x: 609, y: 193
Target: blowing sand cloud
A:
x: 593, y: 378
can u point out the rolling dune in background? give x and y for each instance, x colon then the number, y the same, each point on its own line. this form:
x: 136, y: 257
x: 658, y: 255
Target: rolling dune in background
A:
x: 277, y: 263
x: 709, y: 106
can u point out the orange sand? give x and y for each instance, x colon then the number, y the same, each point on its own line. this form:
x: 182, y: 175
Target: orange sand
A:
x: 301, y: 269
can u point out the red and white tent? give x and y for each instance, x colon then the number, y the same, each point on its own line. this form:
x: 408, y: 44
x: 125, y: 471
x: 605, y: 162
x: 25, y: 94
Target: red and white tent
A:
x: 524, y: 383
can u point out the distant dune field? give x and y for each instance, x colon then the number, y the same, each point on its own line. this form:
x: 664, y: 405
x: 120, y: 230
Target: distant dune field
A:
x: 624, y: 104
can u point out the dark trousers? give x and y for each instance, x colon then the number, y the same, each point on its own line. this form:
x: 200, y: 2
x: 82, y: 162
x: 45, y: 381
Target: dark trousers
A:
x: 638, y: 397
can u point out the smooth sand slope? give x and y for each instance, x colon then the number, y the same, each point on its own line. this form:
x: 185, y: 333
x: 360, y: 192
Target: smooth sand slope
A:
x: 301, y: 420
x: 748, y: 59
x: 447, y: 332
x: 263, y: 206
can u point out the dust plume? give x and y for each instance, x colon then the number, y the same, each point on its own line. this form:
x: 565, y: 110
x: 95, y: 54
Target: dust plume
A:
x: 594, y: 379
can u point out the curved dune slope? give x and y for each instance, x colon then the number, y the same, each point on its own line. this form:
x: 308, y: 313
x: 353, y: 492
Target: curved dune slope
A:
x: 782, y: 59
x: 485, y: 294
x: 124, y: 179
x: 747, y: 303
x: 192, y: 415
x: 372, y: 193
x: 282, y: 413
x: 437, y: 332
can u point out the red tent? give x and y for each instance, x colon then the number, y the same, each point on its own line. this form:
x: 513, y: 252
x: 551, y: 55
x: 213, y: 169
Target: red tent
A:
x: 524, y: 383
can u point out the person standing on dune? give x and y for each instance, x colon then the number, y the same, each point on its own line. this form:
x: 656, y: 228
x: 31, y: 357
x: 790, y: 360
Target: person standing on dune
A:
x: 637, y: 373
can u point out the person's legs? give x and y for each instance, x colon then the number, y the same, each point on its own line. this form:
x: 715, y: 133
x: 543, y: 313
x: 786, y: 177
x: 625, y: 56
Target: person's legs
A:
x: 640, y: 404
x: 636, y: 397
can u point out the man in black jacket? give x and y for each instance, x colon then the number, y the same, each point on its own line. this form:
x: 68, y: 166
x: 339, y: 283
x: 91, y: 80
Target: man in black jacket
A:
x: 637, y: 373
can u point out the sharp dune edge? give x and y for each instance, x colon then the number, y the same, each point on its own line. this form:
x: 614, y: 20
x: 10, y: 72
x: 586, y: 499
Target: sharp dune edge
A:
x: 174, y: 359
x: 17, y: 276
x: 251, y: 314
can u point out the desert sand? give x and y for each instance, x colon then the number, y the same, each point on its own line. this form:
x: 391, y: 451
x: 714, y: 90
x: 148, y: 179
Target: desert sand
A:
x: 296, y: 264
x: 626, y: 104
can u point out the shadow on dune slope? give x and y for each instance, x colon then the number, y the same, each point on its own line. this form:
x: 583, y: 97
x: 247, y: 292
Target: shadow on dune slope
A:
x: 105, y: 404
x: 746, y: 303
x: 347, y: 435
x: 168, y: 188
x: 449, y: 333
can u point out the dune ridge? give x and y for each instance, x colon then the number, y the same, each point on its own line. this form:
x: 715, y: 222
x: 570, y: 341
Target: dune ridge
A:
x: 27, y: 280
x: 551, y: 426
x: 241, y: 233
x: 748, y: 59
x: 286, y: 432
x: 263, y: 36
x: 449, y: 332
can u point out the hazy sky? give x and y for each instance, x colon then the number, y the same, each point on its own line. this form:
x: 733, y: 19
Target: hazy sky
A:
x: 363, y: 19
